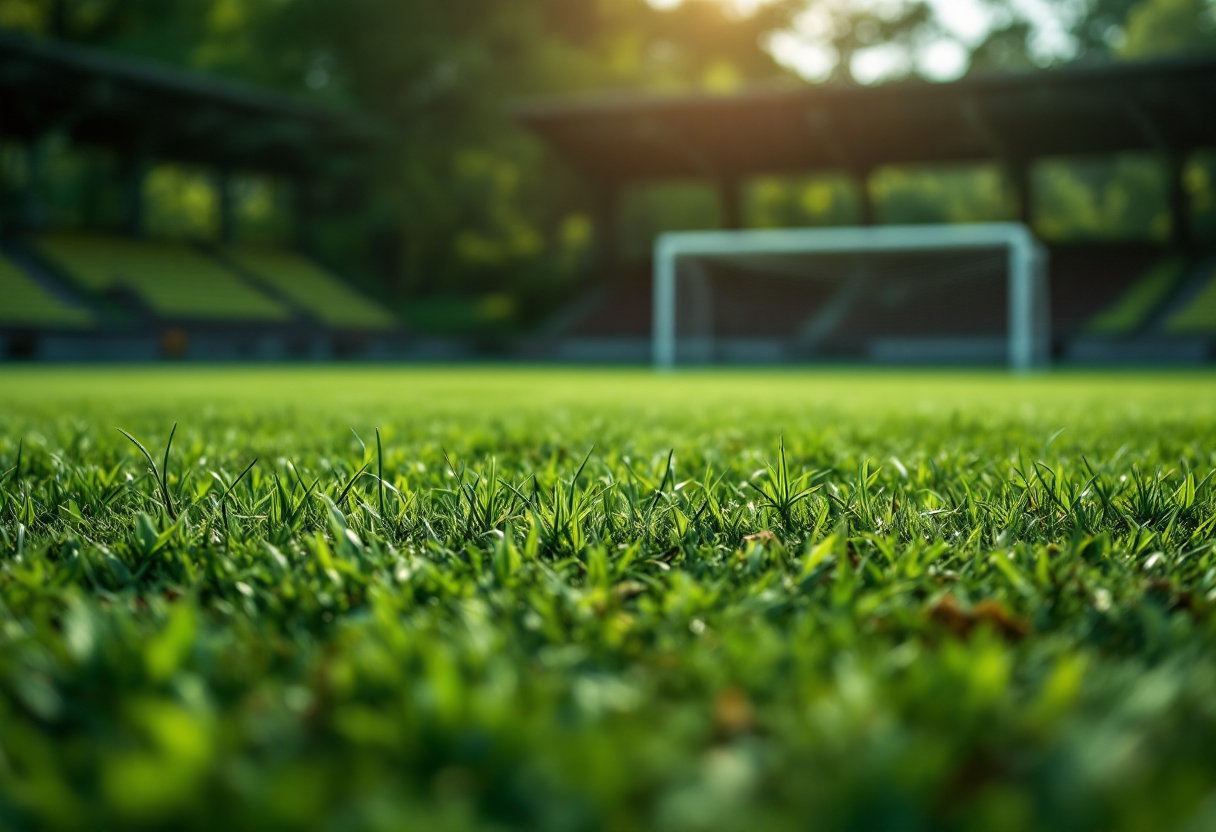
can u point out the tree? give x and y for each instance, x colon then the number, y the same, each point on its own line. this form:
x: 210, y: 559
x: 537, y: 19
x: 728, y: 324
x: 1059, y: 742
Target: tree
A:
x: 466, y: 201
x: 1169, y: 27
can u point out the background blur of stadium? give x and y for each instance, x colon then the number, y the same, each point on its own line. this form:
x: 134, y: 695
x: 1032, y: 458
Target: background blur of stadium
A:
x: 235, y: 179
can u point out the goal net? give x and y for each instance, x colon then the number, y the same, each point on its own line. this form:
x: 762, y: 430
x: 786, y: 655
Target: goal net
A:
x: 935, y: 294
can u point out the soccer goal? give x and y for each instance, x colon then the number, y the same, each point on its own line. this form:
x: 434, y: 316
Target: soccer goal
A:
x: 937, y: 294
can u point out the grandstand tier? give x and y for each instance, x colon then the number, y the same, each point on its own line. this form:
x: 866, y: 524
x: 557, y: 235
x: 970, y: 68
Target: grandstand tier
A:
x: 1089, y: 279
x: 175, y: 281
x: 1102, y: 290
x: 25, y: 303
x: 1135, y: 307
x: 1198, y: 315
x: 310, y: 288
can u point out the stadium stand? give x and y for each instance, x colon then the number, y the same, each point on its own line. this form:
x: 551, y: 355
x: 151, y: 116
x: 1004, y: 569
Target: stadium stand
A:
x: 1088, y: 279
x: 1096, y: 289
x: 1124, y: 291
x: 28, y: 304
x: 621, y: 308
x: 956, y: 309
x: 175, y: 281
x: 1134, y: 308
x: 310, y: 288
x: 1198, y: 316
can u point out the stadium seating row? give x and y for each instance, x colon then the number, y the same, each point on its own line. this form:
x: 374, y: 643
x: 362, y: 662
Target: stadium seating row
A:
x: 1135, y: 310
x: 1131, y: 312
x: 181, y: 282
x: 1199, y: 316
x: 1107, y: 291
x: 310, y: 288
x: 26, y: 303
x: 172, y: 280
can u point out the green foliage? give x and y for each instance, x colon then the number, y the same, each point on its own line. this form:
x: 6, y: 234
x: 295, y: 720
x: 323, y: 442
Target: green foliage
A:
x: 675, y: 206
x: 468, y: 206
x: 1102, y: 199
x: 465, y: 203
x: 1170, y: 27
x: 774, y: 202
x: 182, y: 204
x: 559, y: 600
x: 962, y: 194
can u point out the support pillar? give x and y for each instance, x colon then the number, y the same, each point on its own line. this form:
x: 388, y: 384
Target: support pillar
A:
x: 605, y: 212
x: 1020, y: 178
x: 226, y: 202
x: 32, y: 217
x: 134, y: 176
x: 730, y: 193
x: 302, y: 213
x: 867, y: 215
x: 1181, y: 236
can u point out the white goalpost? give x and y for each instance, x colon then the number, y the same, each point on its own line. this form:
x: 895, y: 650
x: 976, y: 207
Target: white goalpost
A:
x: 1023, y: 257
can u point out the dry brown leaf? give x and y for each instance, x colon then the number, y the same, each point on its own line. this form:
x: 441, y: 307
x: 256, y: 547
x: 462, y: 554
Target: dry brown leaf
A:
x: 949, y: 613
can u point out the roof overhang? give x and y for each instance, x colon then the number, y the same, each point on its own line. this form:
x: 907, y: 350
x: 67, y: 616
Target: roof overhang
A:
x: 1167, y: 106
x: 145, y: 108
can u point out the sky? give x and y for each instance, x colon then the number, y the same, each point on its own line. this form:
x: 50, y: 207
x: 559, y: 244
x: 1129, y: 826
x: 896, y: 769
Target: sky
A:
x: 966, y: 22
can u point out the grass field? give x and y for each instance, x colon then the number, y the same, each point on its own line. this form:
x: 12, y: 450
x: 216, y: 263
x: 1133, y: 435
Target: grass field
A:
x: 607, y: 600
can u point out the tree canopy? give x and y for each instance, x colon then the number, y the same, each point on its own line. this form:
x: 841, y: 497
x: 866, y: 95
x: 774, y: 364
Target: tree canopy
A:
x: 468, y: 201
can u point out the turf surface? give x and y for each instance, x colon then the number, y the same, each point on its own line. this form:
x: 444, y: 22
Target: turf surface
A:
x: 606, y: 600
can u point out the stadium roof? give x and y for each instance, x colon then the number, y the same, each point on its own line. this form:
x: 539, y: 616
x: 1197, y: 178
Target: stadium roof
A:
x: 1164, y: 106
x: 144, y: 107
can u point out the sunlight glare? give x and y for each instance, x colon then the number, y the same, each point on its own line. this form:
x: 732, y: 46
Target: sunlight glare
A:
x: 806, y: 47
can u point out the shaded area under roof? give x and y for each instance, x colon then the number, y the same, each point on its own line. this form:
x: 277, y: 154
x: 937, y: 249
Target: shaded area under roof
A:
x: 1167, y: 107
x: 144, y: 108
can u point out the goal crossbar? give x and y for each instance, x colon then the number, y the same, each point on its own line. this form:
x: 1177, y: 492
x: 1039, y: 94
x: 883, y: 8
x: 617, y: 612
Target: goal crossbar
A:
x: 1028, y: 318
